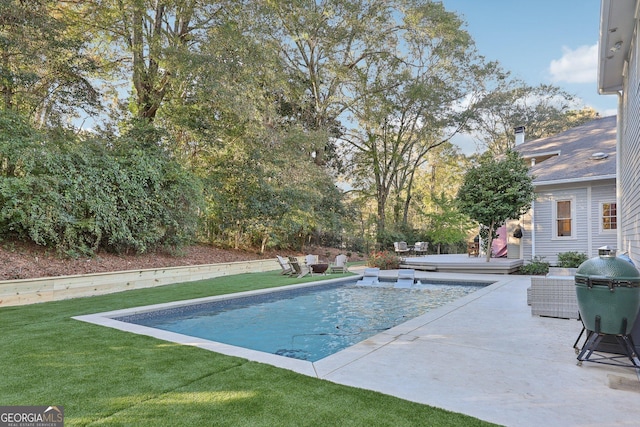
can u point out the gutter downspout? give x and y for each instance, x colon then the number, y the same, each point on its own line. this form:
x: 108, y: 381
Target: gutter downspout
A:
x: 589, y: 222
x: 619, y: 121
x: 533, y: 231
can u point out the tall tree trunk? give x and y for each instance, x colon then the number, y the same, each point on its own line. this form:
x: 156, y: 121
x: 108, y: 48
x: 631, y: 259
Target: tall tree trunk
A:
x: 489, y: 241
x: 150, y: 84
x: 7, y: 90
x: 382, y: 201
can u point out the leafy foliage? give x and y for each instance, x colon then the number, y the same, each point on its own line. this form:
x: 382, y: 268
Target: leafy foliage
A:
x: 447, y: 224
x: 81, y: 196
x: 45, y: 72
x: 495, y: 190
x: 537, y: 267
x: 543, y: 110
x: 571, y: 259
x: 385, y: 260
x: 229, y: 121
x: 403, y: 105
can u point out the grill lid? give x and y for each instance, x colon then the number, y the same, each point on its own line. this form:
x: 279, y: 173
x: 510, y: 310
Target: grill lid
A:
x: 607, y: 270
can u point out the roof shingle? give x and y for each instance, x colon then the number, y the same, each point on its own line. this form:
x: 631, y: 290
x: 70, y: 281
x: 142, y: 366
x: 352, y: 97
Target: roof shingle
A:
x: 568, y: 156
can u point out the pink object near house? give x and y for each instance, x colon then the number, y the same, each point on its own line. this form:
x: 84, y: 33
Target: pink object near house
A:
x: 499, y: 244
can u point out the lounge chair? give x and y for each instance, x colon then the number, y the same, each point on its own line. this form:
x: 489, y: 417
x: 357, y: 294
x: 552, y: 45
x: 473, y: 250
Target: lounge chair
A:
x: 299, y: 270
x: 401, y: 247
x: 370, y: 277
x: 284, y: 264
x: 406, y: 278
x: 340, y: 264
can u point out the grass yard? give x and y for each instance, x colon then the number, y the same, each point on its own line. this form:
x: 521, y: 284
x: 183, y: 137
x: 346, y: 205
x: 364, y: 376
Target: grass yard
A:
x: 102, y: 376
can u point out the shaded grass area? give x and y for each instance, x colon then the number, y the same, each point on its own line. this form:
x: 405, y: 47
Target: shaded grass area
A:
x: 107, y: 377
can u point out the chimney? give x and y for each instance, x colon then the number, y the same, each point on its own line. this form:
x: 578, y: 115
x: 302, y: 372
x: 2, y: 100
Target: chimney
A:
x: 519, y: 134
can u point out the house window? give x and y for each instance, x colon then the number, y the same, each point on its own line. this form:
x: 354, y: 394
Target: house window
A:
x: 563, y: 218
x: 609, y: 216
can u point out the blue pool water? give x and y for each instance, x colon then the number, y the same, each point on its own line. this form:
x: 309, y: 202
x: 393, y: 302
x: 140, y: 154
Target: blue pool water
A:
x: 305, y: 323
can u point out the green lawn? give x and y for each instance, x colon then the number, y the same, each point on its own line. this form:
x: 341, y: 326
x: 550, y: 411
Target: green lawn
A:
x: 107, y: 377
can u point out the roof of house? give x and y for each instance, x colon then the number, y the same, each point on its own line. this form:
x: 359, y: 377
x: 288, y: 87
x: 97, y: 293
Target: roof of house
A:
x: 583, y: 153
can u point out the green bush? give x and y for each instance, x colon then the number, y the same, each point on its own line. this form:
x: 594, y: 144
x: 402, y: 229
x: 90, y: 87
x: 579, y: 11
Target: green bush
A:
x: 78, y: 196
x: 384, y: 260
x: 571, y: 259
x: 536, y: 267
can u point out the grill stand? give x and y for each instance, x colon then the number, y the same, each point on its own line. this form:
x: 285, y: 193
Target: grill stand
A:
x: 594, y: 338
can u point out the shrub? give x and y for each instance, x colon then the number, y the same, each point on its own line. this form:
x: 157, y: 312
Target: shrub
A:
x: 384, y: 260
x: 81, y: 195
x: 536, y: 267
x: 571, y: 259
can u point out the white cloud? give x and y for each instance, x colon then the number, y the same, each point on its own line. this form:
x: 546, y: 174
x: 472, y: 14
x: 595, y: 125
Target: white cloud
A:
x: 576, y: 66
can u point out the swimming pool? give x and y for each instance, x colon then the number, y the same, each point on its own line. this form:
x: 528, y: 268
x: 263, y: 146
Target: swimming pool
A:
x: 306, y: 323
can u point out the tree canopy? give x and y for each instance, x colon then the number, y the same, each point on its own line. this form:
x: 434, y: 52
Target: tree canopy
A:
x: 494, y: 191
x: 244, y: 123
x: 542, y: 110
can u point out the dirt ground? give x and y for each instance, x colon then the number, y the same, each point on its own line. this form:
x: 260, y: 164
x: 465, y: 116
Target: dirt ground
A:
x: 20, y: 260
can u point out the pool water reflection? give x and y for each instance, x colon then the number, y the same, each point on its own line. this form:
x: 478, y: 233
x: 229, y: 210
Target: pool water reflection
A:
x: 307, y: 323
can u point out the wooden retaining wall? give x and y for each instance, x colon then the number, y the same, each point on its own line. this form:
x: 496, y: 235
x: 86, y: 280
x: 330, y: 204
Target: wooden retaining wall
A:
x: 30, y: 291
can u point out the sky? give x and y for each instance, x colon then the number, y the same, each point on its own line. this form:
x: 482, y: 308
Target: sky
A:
x: 541, y: 42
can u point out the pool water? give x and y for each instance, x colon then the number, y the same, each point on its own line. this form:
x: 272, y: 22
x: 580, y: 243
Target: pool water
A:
x: 308, y: 323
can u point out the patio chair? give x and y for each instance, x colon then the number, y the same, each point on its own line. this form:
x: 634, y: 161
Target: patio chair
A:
x: 406, y: 278
x: 340, y: 264
x: 284, y: 264
x: 473, y: 249
x: 420, y: 248
x: 369, y: 277
x: 298, y: 269
x: 311, y: 259
x: 400, y: 247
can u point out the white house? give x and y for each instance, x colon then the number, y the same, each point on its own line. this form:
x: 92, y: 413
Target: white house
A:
x: 619, y: 74
x: 575, y: 209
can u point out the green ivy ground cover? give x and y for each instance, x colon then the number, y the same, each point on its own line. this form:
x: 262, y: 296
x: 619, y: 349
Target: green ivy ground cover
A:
x: 102, y: 376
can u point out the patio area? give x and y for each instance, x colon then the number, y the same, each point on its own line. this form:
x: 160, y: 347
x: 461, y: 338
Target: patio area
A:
x: 487, y: 356
x: 461, y: 263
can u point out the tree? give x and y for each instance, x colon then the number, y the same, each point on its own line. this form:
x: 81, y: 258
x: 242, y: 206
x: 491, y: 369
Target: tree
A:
x: 281, y: 202
x: 495, y: 190
x: 447, y: 225
x: 45, y: 67
x: 408, y: 102
x: 326, y: 46
x: 148, y: 39
x: 543, y: 110
x: 433, y: 207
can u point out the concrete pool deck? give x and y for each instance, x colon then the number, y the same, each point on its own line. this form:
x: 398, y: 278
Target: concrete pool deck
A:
x: 488, y: 357
x: 484, y: 355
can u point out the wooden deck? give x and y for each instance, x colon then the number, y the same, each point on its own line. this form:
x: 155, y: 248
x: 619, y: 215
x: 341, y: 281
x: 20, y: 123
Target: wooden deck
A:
x: 462, y: 263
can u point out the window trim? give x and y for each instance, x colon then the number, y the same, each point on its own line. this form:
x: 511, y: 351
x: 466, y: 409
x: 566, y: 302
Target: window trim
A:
x: 572, y: 201
x: 601, y: 218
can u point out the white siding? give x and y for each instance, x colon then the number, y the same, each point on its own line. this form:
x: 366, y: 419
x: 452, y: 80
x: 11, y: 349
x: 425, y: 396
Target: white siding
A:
x: 587, y: 236
x: 629, y: 173
x: 600, y: 237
